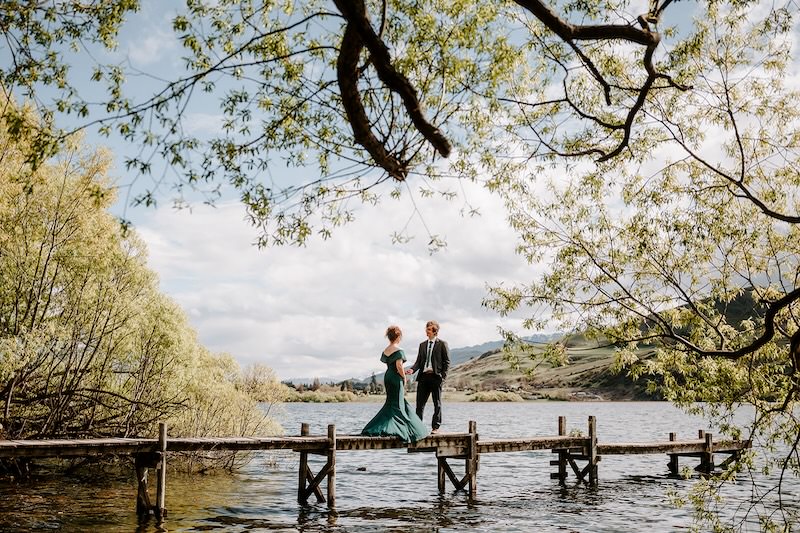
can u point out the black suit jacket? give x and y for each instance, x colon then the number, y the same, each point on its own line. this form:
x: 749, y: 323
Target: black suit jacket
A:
x: 440, y: 358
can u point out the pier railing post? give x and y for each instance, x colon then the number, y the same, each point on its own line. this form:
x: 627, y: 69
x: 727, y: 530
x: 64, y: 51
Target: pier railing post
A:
x: 331, y: 465
x: 161, y: 486
x: 301, y: 482
x: 472, y: 459
x: 592, y: 450
x: 673, y: 457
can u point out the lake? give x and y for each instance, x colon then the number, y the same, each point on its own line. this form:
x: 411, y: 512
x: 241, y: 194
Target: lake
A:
x: 391, y: 490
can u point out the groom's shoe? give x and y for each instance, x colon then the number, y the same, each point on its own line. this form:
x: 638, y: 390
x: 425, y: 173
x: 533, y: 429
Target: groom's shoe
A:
x: 434, y: 431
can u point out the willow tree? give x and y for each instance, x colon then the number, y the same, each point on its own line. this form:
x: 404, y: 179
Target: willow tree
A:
x: 88, y: 345
x: 682, y: 248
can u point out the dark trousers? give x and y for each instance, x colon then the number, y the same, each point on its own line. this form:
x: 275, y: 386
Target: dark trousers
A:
x: 430, y: 385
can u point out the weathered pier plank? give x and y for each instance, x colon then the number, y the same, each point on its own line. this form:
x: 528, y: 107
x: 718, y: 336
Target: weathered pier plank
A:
x: 529, y: 444
x: 107, y: 446
x: 670, y: 447
x: 75, y: 448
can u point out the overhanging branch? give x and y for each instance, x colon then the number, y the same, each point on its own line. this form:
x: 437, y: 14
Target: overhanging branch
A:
x: 359, y: 34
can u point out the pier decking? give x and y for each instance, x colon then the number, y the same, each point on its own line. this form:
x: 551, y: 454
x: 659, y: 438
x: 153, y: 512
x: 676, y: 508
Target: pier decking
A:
x: 580, y: 453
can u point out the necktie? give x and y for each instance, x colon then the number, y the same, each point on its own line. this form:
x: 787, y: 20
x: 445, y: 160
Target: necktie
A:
x: 430, y: 351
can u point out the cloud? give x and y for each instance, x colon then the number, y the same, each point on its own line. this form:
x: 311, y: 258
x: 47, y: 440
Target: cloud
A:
x: 321, y: 310
x: 152, y: 48
x: 204, y: 123
x: 148, y: 38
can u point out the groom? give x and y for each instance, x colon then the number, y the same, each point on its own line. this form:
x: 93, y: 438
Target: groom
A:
x: 433, y: 360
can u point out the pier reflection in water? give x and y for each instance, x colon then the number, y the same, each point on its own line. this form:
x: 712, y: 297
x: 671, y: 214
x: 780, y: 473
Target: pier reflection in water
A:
x: 394, y: 491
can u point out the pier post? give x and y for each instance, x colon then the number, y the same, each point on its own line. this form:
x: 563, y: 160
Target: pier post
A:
x: 673, y: 457
x: 707, y: 459
x: 161, y: 486
x: 301, y: 482
x: 143, y: 505
x: 331, y: 465
x: 562, y: 454
x: 561, y: 462
x: 592, y: 450
x: 440, y: 471
x: 472, y: 459
x: 307, y: 482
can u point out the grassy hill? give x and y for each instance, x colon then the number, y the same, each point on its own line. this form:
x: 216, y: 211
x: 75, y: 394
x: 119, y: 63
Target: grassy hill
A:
x: 587, y: 377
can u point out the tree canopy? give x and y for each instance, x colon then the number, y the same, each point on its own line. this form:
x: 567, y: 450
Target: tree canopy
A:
x: 682, y: 251
x: 360, y: 92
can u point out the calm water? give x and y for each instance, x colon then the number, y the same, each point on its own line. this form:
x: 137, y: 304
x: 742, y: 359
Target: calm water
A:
x: 392, y: 490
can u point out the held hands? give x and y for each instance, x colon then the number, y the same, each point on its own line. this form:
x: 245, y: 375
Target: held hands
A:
x: 409, y: 371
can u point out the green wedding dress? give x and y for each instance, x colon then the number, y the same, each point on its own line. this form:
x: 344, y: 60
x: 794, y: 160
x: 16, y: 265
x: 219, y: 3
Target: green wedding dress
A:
x: 396, y: 418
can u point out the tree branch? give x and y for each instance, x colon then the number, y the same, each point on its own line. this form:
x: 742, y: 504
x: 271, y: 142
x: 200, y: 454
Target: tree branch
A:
x: 359, y: 34
x: 347, y: 72
x: 592, y: 32
x: 644, y: 36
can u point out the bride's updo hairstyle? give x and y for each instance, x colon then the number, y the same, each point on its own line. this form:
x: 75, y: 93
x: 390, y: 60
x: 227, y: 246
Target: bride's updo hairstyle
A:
x: 393, y: 333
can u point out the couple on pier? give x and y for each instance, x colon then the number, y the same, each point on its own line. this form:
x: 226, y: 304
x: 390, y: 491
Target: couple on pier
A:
x: 396, y: 418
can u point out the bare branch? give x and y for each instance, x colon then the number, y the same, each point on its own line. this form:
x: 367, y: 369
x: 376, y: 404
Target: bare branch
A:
x: 644, y: 36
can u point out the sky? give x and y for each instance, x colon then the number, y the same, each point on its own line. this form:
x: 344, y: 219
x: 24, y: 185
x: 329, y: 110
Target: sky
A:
x: 320, y: 310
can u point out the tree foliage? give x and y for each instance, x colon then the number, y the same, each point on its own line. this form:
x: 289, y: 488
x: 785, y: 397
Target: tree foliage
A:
x: 362, y: 92
x: 357, y: 96
x: 88, y: 344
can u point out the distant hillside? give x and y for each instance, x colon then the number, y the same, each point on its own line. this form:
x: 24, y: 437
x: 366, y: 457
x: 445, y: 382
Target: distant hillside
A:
x: 460, y: 355
x: 457, y: 356
x: 588, y: 376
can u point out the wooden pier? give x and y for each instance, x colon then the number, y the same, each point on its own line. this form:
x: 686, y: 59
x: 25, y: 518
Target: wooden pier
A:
x: 578, y: 454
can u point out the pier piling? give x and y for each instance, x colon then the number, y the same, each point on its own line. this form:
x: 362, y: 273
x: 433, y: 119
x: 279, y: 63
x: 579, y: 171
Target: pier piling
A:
x: 592, y: 455
x: 472, y: 459
x: 673, y: 457
x: 331, y: 466
x: 161, y: 486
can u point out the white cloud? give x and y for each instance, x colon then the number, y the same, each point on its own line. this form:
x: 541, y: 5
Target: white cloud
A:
x: 203, y: 123
x: 322, y: 310
x: 152, y: 48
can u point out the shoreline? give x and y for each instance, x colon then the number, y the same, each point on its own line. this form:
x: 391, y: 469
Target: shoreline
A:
x: 546, y: 395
